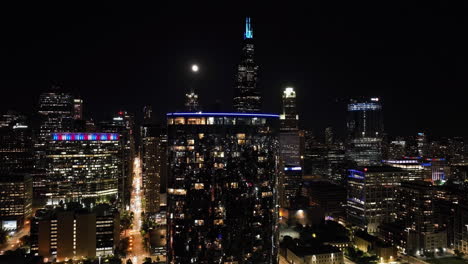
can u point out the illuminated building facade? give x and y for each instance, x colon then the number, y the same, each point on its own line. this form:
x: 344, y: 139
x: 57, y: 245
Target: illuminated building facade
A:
x: 191, y: 102
x: 60, y: 234
x: 15, y: 199
x: 83, y: 165
x: 16, y: 143
x: 247, y: 98
x: 291, y: 150
x: 154, y: 166
x: 123, y: 124
x: 56, y: 112
x: 78, y: 109
x: 365, y: 131
x: 372, y: 196
x: 222, y: 188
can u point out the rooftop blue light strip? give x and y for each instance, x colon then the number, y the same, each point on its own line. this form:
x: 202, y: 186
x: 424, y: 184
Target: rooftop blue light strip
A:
x: 248, y: 29
x: 223, y: 114
x: 292, y: 168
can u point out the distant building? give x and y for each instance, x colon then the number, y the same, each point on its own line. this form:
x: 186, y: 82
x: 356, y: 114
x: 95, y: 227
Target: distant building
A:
x: 247, y: 97
x: 372, y: 196
x: 61, y: 234
x: 78, y: 109
x: 15, y: 199
x: 222, y: 188
x: 365, y: 131
x: 84, y: 166
x: 461, y: 229
x: 124, y: 124
x: 154, y: 164
x: 16, y: 144
x: 191, y: 102
x: 292, y: 148
x: 314, y: 255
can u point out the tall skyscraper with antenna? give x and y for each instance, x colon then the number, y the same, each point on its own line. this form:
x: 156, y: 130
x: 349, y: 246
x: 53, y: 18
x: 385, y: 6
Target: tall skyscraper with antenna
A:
x: 247, y: 97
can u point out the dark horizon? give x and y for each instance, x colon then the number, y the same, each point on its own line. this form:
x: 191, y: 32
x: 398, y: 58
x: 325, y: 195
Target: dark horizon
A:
x: 128, y: 57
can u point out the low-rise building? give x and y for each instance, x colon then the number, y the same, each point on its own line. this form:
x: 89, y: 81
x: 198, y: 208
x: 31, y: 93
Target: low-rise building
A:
x: 71, y: 232
x: 313, y: 255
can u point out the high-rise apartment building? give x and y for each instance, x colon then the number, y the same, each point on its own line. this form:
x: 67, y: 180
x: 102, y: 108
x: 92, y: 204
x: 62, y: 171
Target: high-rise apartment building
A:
x: 365, y: 131
x: 222, y: 193
x: 247, y: 97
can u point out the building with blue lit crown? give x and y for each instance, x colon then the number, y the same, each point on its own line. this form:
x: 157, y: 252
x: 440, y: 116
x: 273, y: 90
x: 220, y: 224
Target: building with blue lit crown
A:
x: 247, y: 97
x: 222, y: 188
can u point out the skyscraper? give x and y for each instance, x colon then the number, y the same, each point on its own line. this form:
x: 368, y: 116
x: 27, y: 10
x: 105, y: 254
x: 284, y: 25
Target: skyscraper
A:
x: 291, y: 149
x: 78, y: 109
x: 154, y: 160
x: 56, y: 110
x: 222, y: 191
x: 365, y: 131
x: 191, y: 102
x: 247, y: 97
x: 123, y: 124
x: 289, y: 119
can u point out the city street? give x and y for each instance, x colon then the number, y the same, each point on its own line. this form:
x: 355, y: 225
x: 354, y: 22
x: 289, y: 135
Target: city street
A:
x: 14, y: 242
x: 137, y: 252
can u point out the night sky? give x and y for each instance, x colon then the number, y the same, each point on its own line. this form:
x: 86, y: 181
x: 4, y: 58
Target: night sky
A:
x: 123, y: 57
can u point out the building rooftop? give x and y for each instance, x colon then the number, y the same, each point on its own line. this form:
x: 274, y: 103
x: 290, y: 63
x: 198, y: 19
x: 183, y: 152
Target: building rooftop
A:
x: 316, y: 250
x: 223, y: 114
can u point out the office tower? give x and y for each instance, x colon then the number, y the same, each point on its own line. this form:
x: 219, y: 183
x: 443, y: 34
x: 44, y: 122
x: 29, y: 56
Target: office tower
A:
x: 365, y: 128
x: 372, y: 196
x: 15, y: 199
x: 84, y: 167
x: 73, y: 232
x: 329, y: 136
x: 191, y: 102
x: 247, y: 97
x: 417, y: 212
x: 56, y: 111
x: 222, y: 192
x: 123, y: 124
x: 55, y: 115
x: 289, y: 119
x: 422, y: 144
x: 147, y: 114
x: 78, y: 109
x: 16, y: 143
x: 154, y: 160
x: 291, y: 150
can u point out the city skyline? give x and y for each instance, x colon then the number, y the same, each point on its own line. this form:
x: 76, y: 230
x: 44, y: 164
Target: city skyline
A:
x: 325, y: 55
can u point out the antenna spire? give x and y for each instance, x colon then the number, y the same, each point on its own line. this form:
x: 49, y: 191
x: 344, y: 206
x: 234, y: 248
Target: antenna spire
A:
x: 248, y: 29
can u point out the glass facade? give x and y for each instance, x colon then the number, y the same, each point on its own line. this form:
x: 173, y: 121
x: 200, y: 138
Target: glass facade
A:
x: 83, y: 165
x: 365, y: 131
x: 247, y: 98
x: 222, y: 193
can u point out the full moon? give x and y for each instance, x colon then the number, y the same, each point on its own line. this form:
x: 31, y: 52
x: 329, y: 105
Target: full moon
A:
x: 195, y: 68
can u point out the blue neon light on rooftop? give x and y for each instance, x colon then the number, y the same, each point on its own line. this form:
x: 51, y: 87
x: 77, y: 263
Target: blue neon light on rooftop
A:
x: 248, y: 29
x: 222, y: 114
